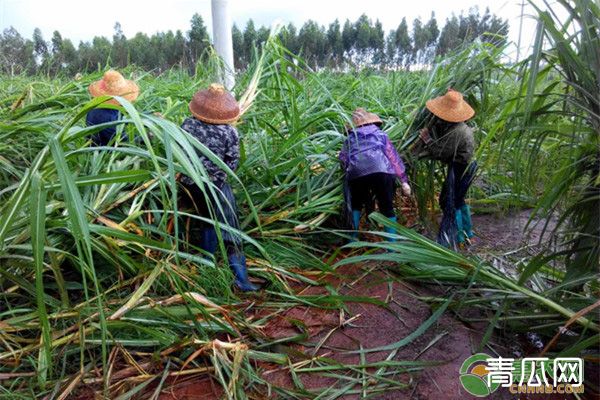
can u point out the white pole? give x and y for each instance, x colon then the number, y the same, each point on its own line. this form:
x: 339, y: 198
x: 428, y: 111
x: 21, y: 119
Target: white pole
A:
x: 520, y: 30
x: 221, y: 22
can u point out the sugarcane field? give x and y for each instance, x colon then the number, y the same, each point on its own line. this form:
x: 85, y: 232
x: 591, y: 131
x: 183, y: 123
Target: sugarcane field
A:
x: 312, y: 200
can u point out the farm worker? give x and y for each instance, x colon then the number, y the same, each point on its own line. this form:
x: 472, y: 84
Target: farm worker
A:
x: 213, y: 110
x: 111, y: 84
x: 449, y: 139
x: 371, y: 165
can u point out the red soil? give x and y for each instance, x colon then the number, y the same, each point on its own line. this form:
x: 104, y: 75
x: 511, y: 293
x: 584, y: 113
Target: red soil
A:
x: 196, y: 389
x: 374, y: 326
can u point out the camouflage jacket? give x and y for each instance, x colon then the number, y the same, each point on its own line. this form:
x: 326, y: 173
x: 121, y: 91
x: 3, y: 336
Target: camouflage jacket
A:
x: 222, y: 140
x: 457, y: 145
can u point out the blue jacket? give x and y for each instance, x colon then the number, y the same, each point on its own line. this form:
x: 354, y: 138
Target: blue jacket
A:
x: 99, y: 116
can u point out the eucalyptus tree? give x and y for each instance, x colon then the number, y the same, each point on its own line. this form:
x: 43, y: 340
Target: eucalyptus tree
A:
x: 313, y: 39
x: 16, y: 53
x: 120, y: 52
x: 250, y: 37
x: 403, y: 45
x: 335, y: 43
x: 198, y: 40
x: 237, y: 39
x: 40, y: 48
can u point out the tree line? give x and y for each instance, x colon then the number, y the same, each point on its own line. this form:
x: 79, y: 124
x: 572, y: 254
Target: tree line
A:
x: 354, y: 44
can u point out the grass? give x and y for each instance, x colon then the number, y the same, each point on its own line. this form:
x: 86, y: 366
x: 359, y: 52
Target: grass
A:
x: 101, y: 288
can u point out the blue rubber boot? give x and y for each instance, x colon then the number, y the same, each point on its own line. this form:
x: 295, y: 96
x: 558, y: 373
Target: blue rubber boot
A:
x: 355, y: 224
x: 466, y: 221
x: 460, y: 232
x: 208, y: 240
x: 390, y: 229
x: 237, y: 263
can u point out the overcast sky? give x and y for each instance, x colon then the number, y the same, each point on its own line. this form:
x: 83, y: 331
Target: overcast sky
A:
x: 82, y: 20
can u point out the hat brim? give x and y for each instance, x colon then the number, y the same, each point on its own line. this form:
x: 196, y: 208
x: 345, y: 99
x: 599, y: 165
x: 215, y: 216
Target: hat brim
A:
x: 213, y: 121
x: 461, y: 113
x: 370, y: 119
x: 130, y: 92
x: 377, y: 122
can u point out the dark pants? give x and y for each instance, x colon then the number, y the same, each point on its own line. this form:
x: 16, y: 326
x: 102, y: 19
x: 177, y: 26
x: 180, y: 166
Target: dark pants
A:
x: 457, y: 183
x: 99, y: 116
x: 380, y: 186
x: 220, y: 207
x: 456, y: 187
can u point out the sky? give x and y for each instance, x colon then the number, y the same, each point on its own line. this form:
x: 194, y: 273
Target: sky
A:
x: 82, y: 20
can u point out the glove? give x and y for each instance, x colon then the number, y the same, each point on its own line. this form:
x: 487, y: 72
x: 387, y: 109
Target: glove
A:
x: 406, y: 189
x: 424, y: 135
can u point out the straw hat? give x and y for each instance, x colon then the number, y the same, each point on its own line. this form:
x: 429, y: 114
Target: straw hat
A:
x: 215, y: 105
x: 451, y: 107
x: 361, y: 117
x: 113, y: 84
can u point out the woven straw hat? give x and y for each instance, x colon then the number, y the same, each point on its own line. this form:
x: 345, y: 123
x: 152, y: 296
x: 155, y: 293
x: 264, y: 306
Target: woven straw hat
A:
x: 113, y: 84
x: 451, y: 107
x: 215, y: 105
x: 361, y: 117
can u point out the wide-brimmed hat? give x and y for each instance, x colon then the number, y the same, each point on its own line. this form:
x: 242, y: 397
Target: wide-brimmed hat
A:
x: 451, y: 107
x: 113, y: 84
x: 361, y: 117
x: 215, y: 105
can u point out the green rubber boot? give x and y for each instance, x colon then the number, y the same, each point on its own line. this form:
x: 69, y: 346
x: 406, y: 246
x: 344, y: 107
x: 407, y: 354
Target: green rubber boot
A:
x: 460, y: 233
x: 466, y: 221
x: 390, y: 229
x: 355, y: 224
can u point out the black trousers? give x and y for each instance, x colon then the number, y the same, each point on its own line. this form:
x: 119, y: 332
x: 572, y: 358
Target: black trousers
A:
x: 379, y: 186
x: 459, y: 179
x: 457, y: 183
x: 223, y: 205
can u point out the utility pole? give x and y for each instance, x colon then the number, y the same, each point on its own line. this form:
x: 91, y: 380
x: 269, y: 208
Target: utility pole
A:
x: 520, y: 30
x: 221, y: 22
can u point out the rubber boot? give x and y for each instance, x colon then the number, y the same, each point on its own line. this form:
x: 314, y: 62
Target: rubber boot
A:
x: 237, y: 263
x: 391, y: 229
x: 460, y: 233
x: 355, y: 224
x: 208, y: 240
x: 466, y: 221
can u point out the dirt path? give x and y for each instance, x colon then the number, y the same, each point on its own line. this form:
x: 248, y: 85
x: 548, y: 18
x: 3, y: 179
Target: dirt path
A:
x: 371, y: 326
x: 501, y: 233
